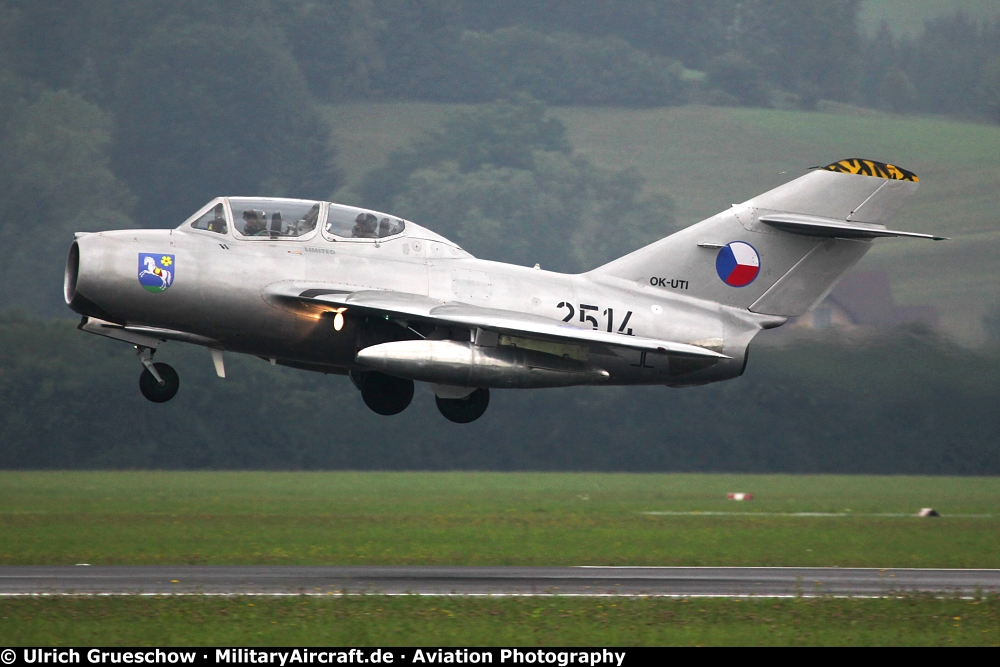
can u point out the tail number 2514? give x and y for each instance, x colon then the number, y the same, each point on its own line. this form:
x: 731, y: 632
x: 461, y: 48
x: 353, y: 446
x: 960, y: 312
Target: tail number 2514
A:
x: 587, y: 316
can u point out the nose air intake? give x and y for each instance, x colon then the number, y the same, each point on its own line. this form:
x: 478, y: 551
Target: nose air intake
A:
x: 76, y: 266
x: 72, y: 274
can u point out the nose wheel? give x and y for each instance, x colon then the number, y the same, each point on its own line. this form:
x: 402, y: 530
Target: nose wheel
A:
x: 159, y: 382
x: 162, y: 390
x: 464, y: 410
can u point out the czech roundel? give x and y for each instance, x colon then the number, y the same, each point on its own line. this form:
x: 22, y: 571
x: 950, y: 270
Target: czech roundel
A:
x: 738, y: 264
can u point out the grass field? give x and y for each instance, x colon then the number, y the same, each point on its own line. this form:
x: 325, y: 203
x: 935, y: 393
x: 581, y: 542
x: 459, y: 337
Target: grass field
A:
x: 479, y: 518
x: 493, y: 519
x: 414, y: 621
x: 707, y: 158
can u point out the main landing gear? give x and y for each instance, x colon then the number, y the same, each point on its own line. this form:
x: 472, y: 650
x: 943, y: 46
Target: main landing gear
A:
x: 464, y: 410
x: 385, y: 395
x: 158, y: 382
x: 388, y: 395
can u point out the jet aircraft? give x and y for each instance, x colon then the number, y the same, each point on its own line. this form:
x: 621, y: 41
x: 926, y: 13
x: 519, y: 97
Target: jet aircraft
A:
x: 337, y: 289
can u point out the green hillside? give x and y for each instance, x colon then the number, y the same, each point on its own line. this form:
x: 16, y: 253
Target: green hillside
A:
x: 908, y: 16
x: 707, y: 158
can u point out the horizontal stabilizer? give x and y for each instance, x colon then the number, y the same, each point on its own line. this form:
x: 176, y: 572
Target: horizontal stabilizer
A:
x: 832, y: 228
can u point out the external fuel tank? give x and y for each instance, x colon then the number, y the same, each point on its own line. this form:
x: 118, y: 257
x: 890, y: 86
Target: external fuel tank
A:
x: 461, y: 364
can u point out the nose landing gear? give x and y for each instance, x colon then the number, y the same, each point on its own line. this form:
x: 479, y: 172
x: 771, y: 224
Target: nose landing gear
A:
x: 159, y: 382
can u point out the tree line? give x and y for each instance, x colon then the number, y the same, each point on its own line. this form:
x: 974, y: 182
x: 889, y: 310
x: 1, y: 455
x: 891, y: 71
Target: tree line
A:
x: 117, y: 113
x: 605, y: 52
x: 503, y: 181
x: 906, y: 405
x: 120, y: 113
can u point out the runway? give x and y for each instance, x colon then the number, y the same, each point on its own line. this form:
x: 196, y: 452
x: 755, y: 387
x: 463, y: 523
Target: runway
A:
x: 484, y: 581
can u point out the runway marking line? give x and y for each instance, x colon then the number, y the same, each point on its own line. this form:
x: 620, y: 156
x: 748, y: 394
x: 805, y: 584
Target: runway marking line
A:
x: 783, y: 568
x: 815, y: 514
x: 884, y: 576
x: 631, y: 596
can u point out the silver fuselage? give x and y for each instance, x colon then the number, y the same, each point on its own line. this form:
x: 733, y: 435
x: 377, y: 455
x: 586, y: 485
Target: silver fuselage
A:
x: 222, y: 288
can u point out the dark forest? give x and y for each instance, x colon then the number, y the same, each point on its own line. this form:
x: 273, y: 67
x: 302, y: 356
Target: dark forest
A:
x: 122, y: 113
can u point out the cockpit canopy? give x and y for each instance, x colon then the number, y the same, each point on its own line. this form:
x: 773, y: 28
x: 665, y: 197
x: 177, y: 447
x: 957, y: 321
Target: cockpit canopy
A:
x: 277, y: 219
x: 274, y: 218
x: 349, y: 222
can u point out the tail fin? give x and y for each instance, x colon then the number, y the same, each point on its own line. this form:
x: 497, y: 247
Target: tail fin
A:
x: 781, y: 252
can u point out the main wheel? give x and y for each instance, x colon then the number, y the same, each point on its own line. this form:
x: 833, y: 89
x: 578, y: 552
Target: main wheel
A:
x: 153, y: 390
x: 464, y: 410
x: 384, y: 394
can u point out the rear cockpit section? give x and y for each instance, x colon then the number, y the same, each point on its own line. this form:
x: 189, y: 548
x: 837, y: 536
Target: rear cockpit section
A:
x: 347, y: 222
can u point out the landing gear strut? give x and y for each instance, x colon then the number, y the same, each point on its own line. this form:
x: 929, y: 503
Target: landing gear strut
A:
x: 158, y: 382
x: 464, y: 410
x: 385, y: 395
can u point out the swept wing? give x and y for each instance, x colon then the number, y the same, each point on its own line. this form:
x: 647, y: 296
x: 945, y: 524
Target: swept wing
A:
x: 405, y: 306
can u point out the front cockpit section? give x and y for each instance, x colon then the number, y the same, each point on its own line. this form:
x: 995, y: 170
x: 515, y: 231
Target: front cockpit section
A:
x: 213, y: 221
x: 274, y: 219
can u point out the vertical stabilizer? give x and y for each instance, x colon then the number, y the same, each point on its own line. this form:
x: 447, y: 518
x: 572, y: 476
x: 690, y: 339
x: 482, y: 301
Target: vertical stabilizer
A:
x: 781, y: 252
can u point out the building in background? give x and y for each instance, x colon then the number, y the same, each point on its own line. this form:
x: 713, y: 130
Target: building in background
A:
x: 864, y: 300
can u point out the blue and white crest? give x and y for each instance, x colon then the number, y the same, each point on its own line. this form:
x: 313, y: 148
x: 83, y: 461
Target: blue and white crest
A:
x: 156, y: 271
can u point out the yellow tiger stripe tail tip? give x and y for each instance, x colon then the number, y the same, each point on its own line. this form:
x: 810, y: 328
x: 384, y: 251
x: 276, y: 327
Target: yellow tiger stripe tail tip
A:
x: 860, y: 167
